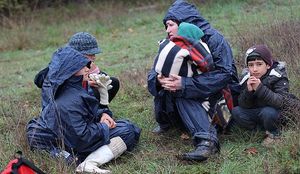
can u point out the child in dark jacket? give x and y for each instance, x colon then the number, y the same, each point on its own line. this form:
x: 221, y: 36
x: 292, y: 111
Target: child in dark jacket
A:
x: 264, y: 85
x: 72, y: 120
x: 86, y: 44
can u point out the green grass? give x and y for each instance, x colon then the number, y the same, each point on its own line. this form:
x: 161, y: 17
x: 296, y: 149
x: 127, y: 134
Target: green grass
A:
x: 128, y: 38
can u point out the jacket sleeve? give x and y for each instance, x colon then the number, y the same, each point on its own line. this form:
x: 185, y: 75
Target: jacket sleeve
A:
x: 273, y: 98
x: 96, y: 108
x: 246, y: 99
x: 40, y: 77
x: 88, y: 133
x: 209, y: 83
x: 84, y: 132
x: 153, y: 85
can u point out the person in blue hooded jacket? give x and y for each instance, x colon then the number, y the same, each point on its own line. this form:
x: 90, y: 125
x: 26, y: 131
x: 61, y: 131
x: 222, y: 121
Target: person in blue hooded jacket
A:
x: 72, y: 120
x: 179, y: 99
x: 87, y: 45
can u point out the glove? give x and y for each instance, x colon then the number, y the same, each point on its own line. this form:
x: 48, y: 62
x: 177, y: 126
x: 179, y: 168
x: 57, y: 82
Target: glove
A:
x: 206, y: 105
x: 103, y: 82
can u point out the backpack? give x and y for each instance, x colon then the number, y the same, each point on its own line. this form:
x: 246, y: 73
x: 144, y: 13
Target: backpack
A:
x: 20, y: 165
x: 220, y: 114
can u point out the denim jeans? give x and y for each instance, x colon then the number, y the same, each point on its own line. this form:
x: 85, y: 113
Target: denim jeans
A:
x: 263, y: 117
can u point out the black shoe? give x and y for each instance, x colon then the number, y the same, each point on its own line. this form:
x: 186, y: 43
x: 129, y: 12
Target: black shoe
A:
x: 203, y: 151
x: 159, y: 130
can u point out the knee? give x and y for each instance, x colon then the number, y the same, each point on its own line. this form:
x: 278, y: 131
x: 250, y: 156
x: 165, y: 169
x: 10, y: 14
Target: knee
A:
x: 235, y: 113
x: 130, y: 134
x: 115, y: 83
x: 269, y: 113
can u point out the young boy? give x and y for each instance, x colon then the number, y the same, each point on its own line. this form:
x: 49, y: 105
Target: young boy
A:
x: 264, y: 84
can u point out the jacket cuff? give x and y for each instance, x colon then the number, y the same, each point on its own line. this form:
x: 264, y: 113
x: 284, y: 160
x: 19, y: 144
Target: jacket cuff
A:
x: 259, y: 90
x: 107, y: 111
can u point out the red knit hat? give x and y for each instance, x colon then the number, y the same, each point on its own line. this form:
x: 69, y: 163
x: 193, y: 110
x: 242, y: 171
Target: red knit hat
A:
x: 261, y: 51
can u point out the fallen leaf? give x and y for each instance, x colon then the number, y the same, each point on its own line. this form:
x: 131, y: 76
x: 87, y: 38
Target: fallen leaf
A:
x: 251, y: 151
x: 130, y: 30
x: 184, y: 136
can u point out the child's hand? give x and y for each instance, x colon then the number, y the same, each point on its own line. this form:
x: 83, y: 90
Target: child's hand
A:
x: 256, y: 84
x: 253, y: 83
x: 105, y: 118
x: 249, y: 84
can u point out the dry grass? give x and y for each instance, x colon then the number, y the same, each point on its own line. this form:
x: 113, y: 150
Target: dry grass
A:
x: 282, y: 37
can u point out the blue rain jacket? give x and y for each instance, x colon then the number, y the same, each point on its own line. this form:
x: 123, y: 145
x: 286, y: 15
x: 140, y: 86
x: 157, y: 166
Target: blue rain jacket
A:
x: 70, y: 116
x: 196, y: 89
x: 208, y: 83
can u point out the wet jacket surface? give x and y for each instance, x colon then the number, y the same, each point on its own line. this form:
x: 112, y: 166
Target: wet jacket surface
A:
x: 199, y: 87
x: 70, y: 115
x: 209, y: 83
x: 269, y: 93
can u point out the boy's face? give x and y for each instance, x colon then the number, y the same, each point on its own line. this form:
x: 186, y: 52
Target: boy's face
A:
x: 258, y: 68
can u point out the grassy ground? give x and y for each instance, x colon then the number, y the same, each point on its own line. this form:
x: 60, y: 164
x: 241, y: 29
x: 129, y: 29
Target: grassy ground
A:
x: 128, y: 38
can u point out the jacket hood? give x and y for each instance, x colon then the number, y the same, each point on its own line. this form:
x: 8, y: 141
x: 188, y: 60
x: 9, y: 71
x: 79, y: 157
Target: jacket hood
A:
x: 183, y: 11
x: 65, y: 62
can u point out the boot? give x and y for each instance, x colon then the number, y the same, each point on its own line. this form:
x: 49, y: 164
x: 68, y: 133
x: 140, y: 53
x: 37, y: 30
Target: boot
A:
x: 101, y: 156
x: 159, y: 130
x: 203, y: 151
x: 271, y: 139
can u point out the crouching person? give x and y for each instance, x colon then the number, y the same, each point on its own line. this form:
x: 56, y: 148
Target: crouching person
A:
x: 72, y: 124
x: 264, y: 84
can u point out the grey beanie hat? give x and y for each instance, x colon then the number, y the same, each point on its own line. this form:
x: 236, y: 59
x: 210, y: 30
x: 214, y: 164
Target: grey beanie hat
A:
x: 85, y: 43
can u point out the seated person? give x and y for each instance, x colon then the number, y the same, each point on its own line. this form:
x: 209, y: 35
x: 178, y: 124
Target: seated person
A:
x: 86, y: 44
x: 72, y: 120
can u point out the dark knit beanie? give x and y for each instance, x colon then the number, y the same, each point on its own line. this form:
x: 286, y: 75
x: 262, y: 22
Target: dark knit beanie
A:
x: 85, y: 43
x: 261, y: 51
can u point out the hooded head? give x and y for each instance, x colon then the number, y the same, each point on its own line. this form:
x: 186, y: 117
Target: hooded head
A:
x: 259, y: 51
x: 85, y: 43
x: 65, y: 62
x: 182, y: 11
x: 190, y: 31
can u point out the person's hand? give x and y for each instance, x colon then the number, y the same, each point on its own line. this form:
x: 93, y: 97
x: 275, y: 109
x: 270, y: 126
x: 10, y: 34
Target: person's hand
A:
x: 105, y: 118
x: 249, y: 84
x: 93, y: 83
x: 256, y: 84
x: 103, y: 84
x: 253, y: 83
x: 172, y: 83
x: 162, y: 79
